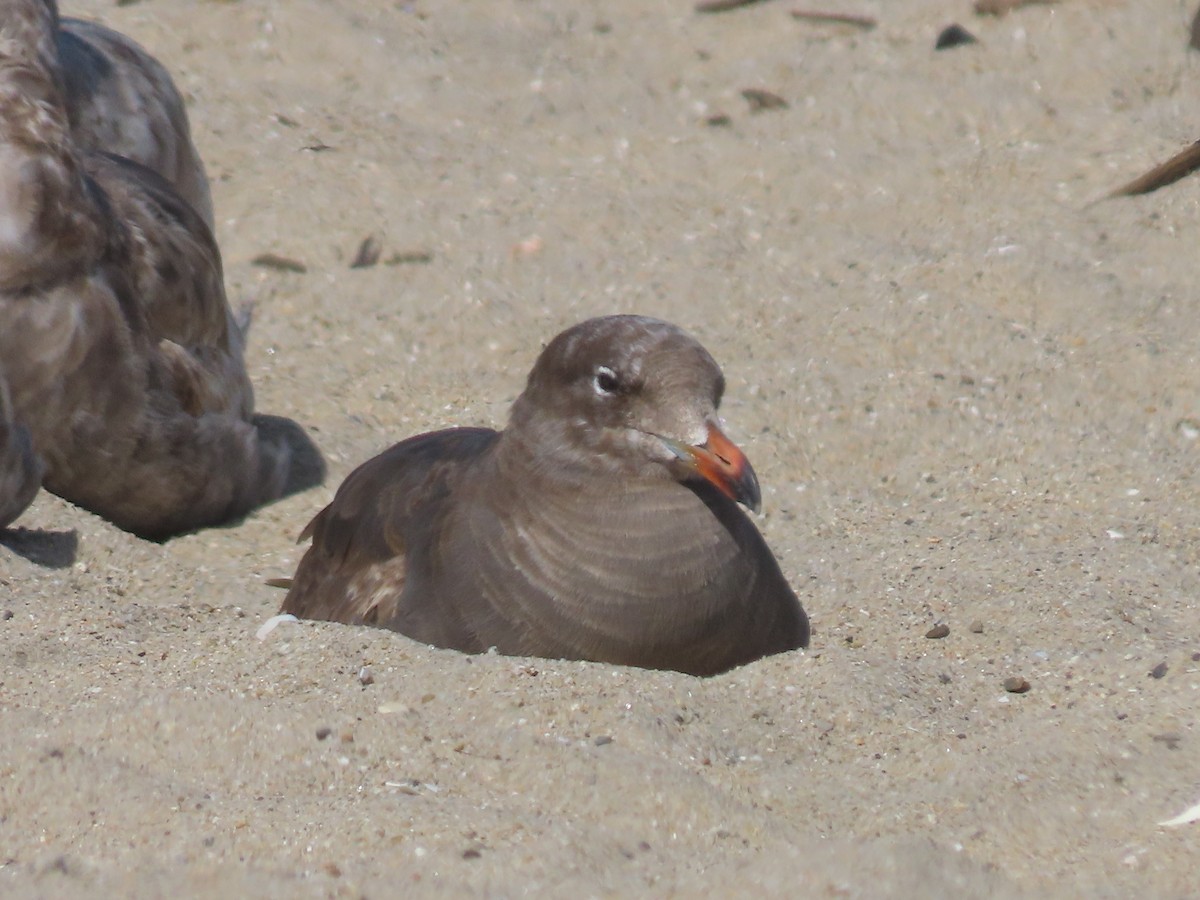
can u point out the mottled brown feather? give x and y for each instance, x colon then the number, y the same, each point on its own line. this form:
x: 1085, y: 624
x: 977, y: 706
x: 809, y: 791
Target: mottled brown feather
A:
x: 121, y: 100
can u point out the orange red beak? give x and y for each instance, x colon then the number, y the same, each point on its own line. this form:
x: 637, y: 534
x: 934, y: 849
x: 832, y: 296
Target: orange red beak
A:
x: 719, y: 462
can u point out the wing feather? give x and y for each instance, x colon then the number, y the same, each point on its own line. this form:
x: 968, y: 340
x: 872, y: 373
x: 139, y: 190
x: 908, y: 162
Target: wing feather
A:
x: 379, y: 526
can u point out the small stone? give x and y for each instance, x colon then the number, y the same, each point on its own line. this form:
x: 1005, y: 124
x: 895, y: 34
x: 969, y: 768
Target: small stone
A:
x: 1016, y: 685
x: 323, y: 732
x: 470, y: 853
x: 8, y: 614
x: 938, y: 631
x: 976, y: 627
x: 368, y: 253
x: 954, y: 36
x: 1159, y: 671
x: 365, y: 676
x: 602, y: 740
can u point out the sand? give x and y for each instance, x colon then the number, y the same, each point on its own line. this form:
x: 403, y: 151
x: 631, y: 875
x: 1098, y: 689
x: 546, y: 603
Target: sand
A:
x: 968, y: 391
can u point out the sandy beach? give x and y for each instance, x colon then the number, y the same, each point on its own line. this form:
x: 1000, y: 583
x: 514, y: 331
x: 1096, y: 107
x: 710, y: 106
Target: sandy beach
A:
x: 968, y: 389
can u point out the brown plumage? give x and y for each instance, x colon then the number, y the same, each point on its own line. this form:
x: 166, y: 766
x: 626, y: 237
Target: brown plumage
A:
x: 121, y: 100
x: 119, y: 356
x: 601, y: 524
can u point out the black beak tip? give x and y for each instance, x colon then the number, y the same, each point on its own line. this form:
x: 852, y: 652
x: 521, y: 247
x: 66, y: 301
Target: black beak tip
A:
x: 748, y: 492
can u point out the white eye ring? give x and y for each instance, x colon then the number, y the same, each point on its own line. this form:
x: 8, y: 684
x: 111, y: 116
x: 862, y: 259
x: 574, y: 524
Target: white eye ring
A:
x: 605, y: 382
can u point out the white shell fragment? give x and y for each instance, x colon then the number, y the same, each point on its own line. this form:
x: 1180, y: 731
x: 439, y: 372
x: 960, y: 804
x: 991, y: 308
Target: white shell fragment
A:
x: 1189, y: 815
x: 268, y: 626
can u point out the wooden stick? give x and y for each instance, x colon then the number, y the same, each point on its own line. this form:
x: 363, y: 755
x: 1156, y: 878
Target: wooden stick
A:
x: 1003, y: 7
x: 1172, y: 170
x: 716, y: 6
x: 864, y: 22
x: 280, y: 263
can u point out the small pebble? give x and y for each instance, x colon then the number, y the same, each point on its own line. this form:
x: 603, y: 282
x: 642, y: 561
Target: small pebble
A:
x: 976, y: 627
x: 602, y: 740
x: 1016, y: 685
x: 368, y: 253
x: 365, y: 677
x: 1159, y: 671
x: 954, y: 36
x: 938, y: 631
x: 470, y: 853
x: 8, y: 614
x: 323, y: 732
x: 1170, y: 738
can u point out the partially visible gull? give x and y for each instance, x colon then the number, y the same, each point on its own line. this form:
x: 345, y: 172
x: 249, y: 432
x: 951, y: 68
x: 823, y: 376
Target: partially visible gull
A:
x: 119, y: 357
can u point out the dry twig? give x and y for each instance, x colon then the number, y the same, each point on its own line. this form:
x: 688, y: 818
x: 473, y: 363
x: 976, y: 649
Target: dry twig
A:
x: 864, y: 22
x: 280, y: 263
x: 1172, y: 170
x: 716, y: 6
x: 1004, y: 7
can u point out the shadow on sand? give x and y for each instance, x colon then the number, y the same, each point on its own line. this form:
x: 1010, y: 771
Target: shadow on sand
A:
x: 52, y: 549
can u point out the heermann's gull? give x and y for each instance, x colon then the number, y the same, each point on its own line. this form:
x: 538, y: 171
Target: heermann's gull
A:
x: 121, y: 100
x: 601, y: 524
x: 118, y: 352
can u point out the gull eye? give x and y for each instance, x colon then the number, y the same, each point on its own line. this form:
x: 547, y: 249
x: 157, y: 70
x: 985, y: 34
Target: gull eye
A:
x: 605, y: 381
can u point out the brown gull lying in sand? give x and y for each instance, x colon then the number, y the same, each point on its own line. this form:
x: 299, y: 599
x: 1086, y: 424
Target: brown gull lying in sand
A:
x: 120, y: 364
x: 601, y: 524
